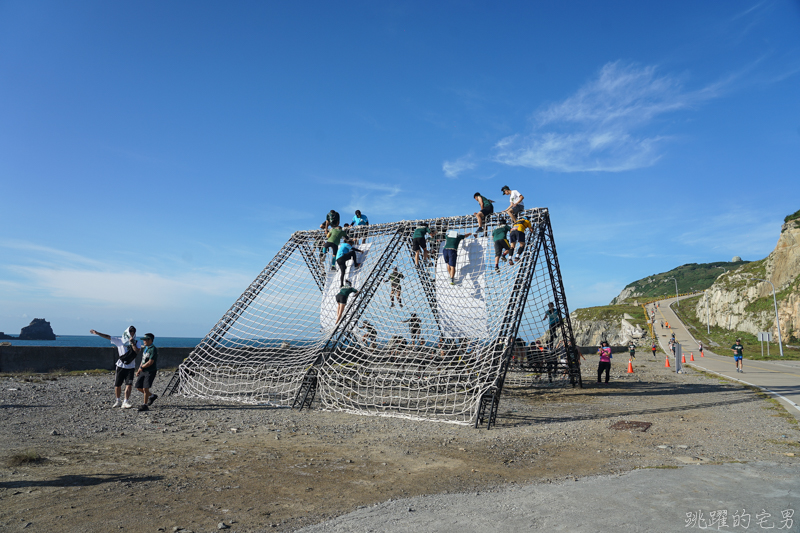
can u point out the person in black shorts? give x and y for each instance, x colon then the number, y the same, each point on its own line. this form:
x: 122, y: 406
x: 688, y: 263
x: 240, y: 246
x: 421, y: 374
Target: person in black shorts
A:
x: 518, y: 236
x: 487, y: 208
x: 147, y: 371
x: 347, y: 251
x: 127, y: 349
x: 415, y: 327
x: 341, y: 299
x: 418, y: 242
x: 395, y: 277
x: 501, y: 247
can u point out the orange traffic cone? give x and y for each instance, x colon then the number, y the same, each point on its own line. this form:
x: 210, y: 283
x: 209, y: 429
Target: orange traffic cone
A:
x: 683, y: 358
x: 691, y: 356
x: 666, y: 365
x: 701, y: 354
x: 630, y: 367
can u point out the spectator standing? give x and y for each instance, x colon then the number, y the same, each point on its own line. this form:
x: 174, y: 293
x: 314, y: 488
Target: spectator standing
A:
x: 395, y: 278
x: 515, y: 207
x: 605, y: 361
x: 632, y: 349
x: 147, y: 371
x: 127, y: 350
x: 738, y: 355
x: 553, y: 318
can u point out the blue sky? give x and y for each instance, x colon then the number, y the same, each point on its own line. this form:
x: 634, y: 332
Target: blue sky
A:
x: 155, y: 155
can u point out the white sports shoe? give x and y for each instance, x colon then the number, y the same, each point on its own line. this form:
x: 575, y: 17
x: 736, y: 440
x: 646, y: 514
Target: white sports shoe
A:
x: 126, y: 404
x: 117, y: 403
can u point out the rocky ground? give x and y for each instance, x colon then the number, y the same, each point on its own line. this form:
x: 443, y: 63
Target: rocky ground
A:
x: 201, y: 465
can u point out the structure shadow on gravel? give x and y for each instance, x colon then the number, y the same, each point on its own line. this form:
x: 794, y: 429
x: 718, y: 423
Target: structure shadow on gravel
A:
x: 79, y: 480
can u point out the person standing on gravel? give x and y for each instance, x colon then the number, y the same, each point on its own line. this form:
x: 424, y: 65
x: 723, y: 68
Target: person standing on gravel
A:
x: 127, y: 349
x: 147, y: 371
x: 738, y: 354
x: 632, y: 349
x: 605, y: 361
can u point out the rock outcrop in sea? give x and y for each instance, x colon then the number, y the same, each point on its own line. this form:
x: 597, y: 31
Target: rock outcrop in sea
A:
x: 38, y: 330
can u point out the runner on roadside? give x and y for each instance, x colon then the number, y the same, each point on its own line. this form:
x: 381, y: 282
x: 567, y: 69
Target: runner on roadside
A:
x: 738, y: 355
x: 653, y: 347
x: 700, y: 347
x: 487, y: 208
x: 632, y: 349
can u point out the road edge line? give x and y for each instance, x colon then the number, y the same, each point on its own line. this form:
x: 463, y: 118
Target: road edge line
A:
x: 784, y: 398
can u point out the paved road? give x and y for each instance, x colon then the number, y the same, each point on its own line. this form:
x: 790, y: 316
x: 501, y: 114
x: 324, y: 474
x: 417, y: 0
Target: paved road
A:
x: 781, y: 378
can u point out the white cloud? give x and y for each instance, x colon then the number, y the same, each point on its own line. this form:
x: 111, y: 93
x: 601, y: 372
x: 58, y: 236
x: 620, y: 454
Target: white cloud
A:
x: 602, y: 126
x: 452, y: 169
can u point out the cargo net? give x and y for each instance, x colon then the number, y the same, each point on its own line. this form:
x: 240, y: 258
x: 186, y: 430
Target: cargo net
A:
x: 411, y: 343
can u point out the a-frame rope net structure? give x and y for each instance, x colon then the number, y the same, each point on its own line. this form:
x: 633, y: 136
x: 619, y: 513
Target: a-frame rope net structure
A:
x: 435, y: 351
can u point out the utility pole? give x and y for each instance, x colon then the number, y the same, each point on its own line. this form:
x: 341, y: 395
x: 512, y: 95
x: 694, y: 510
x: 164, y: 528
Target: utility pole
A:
x: 676, y: 291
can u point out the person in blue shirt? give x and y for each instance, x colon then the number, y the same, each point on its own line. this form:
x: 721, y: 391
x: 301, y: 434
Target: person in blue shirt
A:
x: 553, y: 318
x: 346, y: 252
x: 360, y: 219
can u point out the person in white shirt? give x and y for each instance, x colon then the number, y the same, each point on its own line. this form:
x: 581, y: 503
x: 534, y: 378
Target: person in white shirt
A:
x: 128, y: 347
x: 515, y: 207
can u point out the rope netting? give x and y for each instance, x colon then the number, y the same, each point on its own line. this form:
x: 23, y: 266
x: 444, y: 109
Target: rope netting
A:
x: 411, y: 342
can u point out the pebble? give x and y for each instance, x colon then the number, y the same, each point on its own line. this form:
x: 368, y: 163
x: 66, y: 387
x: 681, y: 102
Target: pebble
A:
x: 54, y: 433
x: 223, y: 525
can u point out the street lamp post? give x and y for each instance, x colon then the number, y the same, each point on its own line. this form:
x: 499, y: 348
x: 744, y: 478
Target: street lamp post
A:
x: 777, y: 320
x: 676, y: 291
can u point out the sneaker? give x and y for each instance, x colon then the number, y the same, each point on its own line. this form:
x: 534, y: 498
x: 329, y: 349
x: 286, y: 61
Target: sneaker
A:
x: 496, y: 268
x: 503, y: 258
x: 510, y: 261
x: 392, y: 305
x: 452, y: 281
x: 143, y: 407
x: 333, y: 269
x: 117, y: 403
x: 126, y: 404
x: 153, y: 397
x: 401, y: 305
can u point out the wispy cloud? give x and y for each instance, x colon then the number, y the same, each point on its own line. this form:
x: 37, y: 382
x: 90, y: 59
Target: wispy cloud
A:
x: 602, y: 127
x: 452, y: 169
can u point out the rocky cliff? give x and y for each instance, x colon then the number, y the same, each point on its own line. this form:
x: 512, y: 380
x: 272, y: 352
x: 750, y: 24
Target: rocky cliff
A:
x: 38, y: 330
x: 618, y: 325
x: 738, y: 302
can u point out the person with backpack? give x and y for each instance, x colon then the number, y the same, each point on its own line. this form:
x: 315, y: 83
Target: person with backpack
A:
x: 605, y: 361
x: 331, y: 220
x: 128, y: 347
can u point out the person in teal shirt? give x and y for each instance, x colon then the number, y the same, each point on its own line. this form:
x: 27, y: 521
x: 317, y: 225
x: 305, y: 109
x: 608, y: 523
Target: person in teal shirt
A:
x: 501, y: 246
x: 147, y: 371
x: 450, y: 253
x: 487, y: 208
x: 418, y: 242
x: 738, y: 355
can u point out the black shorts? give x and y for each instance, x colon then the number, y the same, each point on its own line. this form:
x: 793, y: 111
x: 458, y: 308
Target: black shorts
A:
x: 332, y: 245
x: 145, y: 379
x: 124, y: 375
x: 517, y: 236
x: 517, y: 209
x: 341, y: 298
x: 417, y: 243
x: 396, y: 287
x: 499, y: 246
x: 488, y: 210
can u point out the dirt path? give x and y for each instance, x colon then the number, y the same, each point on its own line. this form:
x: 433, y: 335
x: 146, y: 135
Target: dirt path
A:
x: 194, y: 464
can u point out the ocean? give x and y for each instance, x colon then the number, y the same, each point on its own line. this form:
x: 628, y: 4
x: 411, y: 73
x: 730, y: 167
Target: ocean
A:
x: 84, y: 341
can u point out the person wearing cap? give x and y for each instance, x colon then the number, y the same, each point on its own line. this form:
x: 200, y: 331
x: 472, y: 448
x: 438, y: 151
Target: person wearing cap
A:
x: 147, y: 371
x: 127, y: 350
x: 341, y: 299
x: 738, y: 354
x: 487, y: 208
x: 515, y: 207
x: 331, y: 220
x: 450, y: 253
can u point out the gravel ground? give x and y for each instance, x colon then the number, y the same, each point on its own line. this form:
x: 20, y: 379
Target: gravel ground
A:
x: 194, y: 464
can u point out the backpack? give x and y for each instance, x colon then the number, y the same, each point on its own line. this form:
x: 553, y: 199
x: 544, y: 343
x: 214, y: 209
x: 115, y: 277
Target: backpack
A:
x: 333, y: 218
x: 129, y: 356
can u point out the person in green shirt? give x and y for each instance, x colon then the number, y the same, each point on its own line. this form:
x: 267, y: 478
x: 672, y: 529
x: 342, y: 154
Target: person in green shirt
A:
x: 738, y: 354
x: 501, y: 247
x: 341, y: 299
x: 395, y: 277
x: 487, y: 208
x: 334, y: 235
x: 147, y: 371
x: 450, y: 253
x: 418, y: 242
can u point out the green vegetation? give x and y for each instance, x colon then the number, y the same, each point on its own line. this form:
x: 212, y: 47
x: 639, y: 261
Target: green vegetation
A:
x: 767, y: 303
x: 690, y: 277
x: 726, y: 338
x: 793, y: 216
x: 25, y: 458
x: 613, y: 313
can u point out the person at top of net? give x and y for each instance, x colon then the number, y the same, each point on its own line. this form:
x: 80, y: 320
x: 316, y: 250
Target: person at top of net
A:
x: 395, y: 278
x: 487, y: 208
x: 501, y: 247
x: 128, y: 348
x: 518, y: 236
x: 331, y: 219
x: 359, y: 220
x: 341, y: 299
x: 347, y: 251
x: 415, y: 327
x: 450, y: 254
x: 334, y: 236
x: 515, y: 205
x: 418, y: 242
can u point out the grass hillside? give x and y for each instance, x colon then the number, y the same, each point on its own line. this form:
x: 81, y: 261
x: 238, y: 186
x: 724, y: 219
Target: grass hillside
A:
x: 613, y: 313
x: 690, y: 277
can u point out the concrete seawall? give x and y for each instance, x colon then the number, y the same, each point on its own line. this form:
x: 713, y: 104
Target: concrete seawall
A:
x: 50, y: 358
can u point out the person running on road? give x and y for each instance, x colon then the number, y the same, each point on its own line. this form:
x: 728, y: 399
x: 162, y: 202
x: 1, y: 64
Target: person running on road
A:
x: 605, y: 361
x: 395, y: 277
x: 518, y: 236
x: 738, y: 355
x: 632, y: 349
x: 653, y: 347
x: 450, y: 254
x: 418, y: 242
x: 515, y: 207
x: 346, y: 252
x: 341, y: 299
x: 700, y: 347
x: 501, y: 247
x: 487, y: 208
